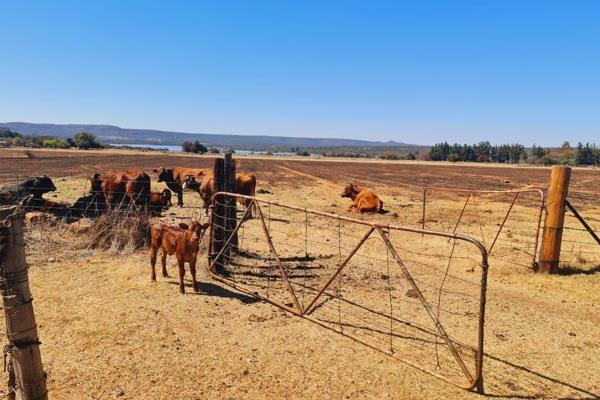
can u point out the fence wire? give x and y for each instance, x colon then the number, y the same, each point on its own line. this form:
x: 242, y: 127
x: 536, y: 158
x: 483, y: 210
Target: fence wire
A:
x: 580, y: 251
x: 507, y: 223
x: 415, y: 295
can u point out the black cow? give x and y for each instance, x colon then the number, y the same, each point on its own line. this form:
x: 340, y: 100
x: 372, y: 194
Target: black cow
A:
x: 36, y: 187
x: 90, y: 206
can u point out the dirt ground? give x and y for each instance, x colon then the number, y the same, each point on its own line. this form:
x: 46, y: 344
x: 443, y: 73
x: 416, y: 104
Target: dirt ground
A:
x: 110, y: 333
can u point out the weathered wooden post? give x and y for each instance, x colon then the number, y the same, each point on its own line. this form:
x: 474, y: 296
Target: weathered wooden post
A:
x: 224, y: 212
x: 230, y: 203
x: 555, y: 219
x: 26, y: 374
x: 218, y: 218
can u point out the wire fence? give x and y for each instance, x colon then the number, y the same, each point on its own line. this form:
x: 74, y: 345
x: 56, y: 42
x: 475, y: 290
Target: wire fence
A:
x: 506, y: 222
x: 416, y: 295
x: 580, y: 247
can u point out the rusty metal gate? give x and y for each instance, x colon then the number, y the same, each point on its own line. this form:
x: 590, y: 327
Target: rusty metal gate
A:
x: 507, y: 222
x: 416, y: 295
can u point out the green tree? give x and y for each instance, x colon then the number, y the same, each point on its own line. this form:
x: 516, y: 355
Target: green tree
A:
x: 483, y: 151
x: 198, y: 148
x: 585, y: 155
x: 7, y: 133
x: 453, y: 157
x: 55, y: 143
x: 187, y: 146
x: 86, y: 140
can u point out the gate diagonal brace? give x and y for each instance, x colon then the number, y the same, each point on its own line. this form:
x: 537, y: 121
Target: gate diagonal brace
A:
x: 426, y: 305
x: 279, y: 263
x: 338, y: 271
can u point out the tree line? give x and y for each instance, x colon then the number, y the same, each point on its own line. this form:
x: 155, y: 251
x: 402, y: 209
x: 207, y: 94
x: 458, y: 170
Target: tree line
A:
x: 588, y: 154
x: 81, y: 140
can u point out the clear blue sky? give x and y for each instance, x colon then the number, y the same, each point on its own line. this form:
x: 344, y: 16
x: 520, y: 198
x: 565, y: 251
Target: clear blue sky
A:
x: 418, y: 72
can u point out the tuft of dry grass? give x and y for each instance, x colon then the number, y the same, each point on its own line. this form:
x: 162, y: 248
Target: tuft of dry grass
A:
x: 118, y: 232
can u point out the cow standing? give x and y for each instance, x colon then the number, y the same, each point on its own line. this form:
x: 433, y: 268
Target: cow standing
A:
x: 183, y: 241
x: 175, y: 178
x: 244, y: 184
x: 132, y: 185
x: 363, y: 200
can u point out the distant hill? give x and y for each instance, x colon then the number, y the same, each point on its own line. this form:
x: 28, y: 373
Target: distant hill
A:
x: 114, y: 134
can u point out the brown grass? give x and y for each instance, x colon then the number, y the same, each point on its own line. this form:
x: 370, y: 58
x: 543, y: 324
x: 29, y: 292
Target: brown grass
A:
x: 109, y: 333
x: 120, y: 232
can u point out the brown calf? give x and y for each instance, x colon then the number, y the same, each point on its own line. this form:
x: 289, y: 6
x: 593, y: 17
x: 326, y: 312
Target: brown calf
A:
x: 183, y: 241
x: 159, y: 201
x: 363, y: 200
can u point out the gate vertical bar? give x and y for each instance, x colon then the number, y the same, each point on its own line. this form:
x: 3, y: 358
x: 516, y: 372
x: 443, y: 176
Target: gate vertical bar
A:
x: 21, y: 329
x: 555, y: 219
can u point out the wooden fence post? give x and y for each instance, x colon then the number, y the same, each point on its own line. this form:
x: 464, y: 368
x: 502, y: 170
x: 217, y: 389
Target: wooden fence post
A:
x: 230, y: 203
x: 218, y: 218
x: 555, y: 219
x: 25, y: 366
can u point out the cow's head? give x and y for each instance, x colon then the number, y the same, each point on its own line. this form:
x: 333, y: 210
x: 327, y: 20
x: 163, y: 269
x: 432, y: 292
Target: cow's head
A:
x: 165, y: 196
x: 195, y: 232
x: 96, y: 183
x: 40, y: 185
x: 164, y: 174
x: 349, y: 190
x: 191, y: 183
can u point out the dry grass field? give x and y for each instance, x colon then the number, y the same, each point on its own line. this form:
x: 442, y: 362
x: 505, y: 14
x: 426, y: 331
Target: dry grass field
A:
x: 110, y: 333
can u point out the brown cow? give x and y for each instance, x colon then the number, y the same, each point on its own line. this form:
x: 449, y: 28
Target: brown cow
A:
x: 132, y: 185
x: 58, y: 210
x: 159, y: 201
x: 174, y: 178
x: 37, y: 217
x: 363, y: 200
x: 183, y: 241
x: 244, y: 184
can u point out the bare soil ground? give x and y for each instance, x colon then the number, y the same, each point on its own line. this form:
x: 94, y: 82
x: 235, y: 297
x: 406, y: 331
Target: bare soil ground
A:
x: 108, y: 332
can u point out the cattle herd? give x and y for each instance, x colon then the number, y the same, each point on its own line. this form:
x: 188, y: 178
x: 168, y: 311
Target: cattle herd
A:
x: 130, y: 190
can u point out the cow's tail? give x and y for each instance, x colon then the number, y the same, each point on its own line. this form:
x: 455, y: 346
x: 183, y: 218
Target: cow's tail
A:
x: 253, y: 194
x: 253, y: 186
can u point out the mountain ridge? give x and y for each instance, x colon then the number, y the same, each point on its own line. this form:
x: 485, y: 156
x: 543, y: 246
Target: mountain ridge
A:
x: 118, y: 135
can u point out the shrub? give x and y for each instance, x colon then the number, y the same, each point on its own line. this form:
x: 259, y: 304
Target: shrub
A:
x: 389, y: 156
x: 56, y: 143
x: 86, y: 140
x: 453, y: 157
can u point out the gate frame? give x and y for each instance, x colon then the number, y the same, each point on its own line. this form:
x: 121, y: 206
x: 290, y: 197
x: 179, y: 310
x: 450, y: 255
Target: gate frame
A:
x: 475, y: 382
x: 516, y: 192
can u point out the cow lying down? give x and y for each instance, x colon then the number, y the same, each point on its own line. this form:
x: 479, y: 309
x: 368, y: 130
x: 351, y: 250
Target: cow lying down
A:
x: 183, y: 241
x: 363, y: 200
